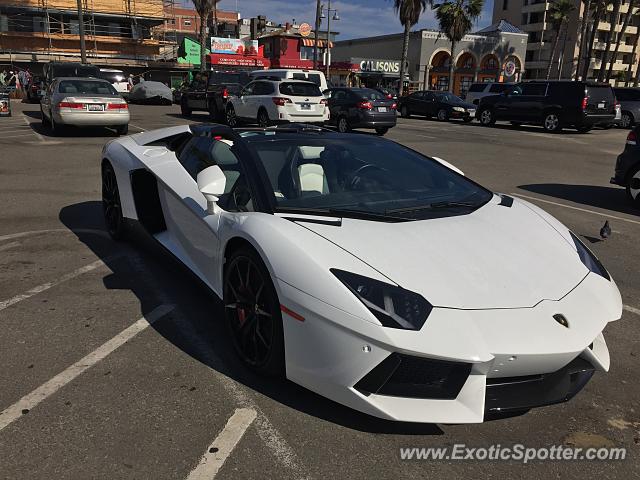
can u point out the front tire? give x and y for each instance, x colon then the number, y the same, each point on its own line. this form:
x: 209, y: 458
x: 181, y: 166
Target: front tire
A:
x: 382, y: 130
x: 487, y: 118
x: 122, y: 129
x: 231, y: 117
x: 252, y: 313
x: 551, y: 122
x: 343, y: 125
x: 111, y: 205
x: 442, y: 115
x: 184, y: 108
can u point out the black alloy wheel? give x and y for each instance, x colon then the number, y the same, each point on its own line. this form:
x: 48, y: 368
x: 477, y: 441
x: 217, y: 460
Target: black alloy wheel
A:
x: 111, y: 206
x: 343, y: 125
x: 252, y: 313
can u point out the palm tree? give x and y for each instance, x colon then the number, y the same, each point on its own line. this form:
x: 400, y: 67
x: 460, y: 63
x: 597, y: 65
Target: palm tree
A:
x: 612, y: 31
x: 455, y: 18
x: 584, y: 23
x: 623, y: 29
x: 409, y: 12
x: 204, y: 9
x: 599, y: 10
x: 559, y: 18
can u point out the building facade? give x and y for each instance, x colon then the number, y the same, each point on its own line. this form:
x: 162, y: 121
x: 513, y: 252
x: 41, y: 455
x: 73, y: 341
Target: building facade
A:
x: 532, y: 16
x: 496, y: 53
x: 117, y: 32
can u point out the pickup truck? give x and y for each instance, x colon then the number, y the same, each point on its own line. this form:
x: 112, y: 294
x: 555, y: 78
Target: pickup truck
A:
x: 209, y: 92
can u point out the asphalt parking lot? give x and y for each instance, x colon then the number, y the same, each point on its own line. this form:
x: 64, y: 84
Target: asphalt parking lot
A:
x: 114, y: 363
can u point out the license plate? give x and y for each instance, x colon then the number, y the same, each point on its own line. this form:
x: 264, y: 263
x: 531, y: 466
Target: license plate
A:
x: 601, y: 105
x: 95, y: 108
x: 382, y: 109
x: 305, y: 106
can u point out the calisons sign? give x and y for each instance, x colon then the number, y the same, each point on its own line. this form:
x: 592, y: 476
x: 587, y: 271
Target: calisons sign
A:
x: 377, y: 65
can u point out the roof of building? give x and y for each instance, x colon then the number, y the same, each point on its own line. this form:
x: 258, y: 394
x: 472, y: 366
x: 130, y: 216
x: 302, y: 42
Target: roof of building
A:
x: 501, y: 26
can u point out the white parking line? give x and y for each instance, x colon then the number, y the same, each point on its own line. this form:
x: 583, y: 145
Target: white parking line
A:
x: 26, y: 120
x: 7, y: 246
x: 631, y: 309
x: 29, y: 401
x: 637, y: 222
x: 136, y: 126
x: 223, y: 445
x: 92, y: 231
x: 46, y: 286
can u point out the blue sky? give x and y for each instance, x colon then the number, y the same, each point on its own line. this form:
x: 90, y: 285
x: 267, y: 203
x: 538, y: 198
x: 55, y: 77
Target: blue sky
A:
x: 358, y: 18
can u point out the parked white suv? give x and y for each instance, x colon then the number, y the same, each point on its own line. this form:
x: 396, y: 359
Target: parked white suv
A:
x: 315, y: 76
x: 478, y: 90
x: 267, y: 102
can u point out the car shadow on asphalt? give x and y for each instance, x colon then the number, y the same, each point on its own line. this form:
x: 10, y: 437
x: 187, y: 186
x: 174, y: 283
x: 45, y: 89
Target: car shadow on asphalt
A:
x: 155, y: 277
x: 609, y: 198
x: 66, y: 132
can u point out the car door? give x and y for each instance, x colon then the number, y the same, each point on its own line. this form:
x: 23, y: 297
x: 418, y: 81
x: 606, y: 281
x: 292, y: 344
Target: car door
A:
x: 506, y: 104
x: 337, y: 104
x: 415, y: 103
x: 430, y: 104
x: 242, y: 103
x: 530, y: 104
x: 194, y: 232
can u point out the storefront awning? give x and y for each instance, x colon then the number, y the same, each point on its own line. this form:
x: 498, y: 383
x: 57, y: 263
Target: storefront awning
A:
x: 310, y: 42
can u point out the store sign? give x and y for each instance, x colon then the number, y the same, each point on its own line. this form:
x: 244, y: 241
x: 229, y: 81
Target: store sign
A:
x: 189, y: 52
x: 234, y: 46
x: 304, y: 29
x: 510, y: 68
x: 236, y: 60
x: 374, y: 65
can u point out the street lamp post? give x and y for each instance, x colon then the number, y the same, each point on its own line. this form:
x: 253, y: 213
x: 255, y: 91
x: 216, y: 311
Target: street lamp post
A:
x: 336, y: 18
x: 83, y: 50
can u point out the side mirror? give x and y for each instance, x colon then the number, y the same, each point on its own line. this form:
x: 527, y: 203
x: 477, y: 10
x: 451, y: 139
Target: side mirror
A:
x: 211, y: 183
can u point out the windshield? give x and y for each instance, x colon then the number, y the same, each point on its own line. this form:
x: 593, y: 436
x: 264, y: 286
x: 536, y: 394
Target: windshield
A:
x: 91, y: 87
x: 369, y: 94
x: 300, y: 89
x: 369, y: 175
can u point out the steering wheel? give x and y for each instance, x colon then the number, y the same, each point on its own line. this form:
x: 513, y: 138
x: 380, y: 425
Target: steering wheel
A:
x: 362, y: 172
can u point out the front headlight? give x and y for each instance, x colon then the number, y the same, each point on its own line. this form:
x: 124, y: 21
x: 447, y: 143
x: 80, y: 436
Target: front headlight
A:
x: 393, y: 306
x: 459, y: 109
x: 589, y: 259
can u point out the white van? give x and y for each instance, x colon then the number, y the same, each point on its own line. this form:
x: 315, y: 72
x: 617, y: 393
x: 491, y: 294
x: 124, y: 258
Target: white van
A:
x: 315, y: 76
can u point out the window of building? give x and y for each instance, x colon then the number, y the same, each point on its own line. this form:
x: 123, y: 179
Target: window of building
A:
x: 306, y: 53
x: 187, y: 23
x: 443, y: 83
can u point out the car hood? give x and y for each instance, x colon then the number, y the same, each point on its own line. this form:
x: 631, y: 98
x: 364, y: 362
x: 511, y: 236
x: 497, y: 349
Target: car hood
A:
x: 495, y: 257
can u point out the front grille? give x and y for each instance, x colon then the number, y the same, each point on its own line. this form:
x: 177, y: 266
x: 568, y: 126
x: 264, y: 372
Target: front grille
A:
x: 401, y: 375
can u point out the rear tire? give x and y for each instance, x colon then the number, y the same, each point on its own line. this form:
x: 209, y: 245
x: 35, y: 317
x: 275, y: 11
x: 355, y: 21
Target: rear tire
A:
x: 404, y: 112
x: 122, y: 129
x: 43, y: 118
x: 111, y: 205
x: 551, y: 122
x: 263, y: 118
x: 343, y: 125
x: 252, y: 313
x: 627, y: 120
x: 442, y: 115
x: 382, y: 130
x: 633, y: 186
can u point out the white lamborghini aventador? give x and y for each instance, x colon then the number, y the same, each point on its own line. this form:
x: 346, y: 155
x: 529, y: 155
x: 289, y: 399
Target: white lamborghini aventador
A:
x: 373, y: 275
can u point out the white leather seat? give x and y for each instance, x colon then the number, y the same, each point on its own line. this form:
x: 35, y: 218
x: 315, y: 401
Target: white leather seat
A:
x: 312, y: 178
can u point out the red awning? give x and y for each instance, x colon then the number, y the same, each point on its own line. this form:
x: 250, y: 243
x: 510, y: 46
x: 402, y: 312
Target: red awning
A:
x: 310, y: 42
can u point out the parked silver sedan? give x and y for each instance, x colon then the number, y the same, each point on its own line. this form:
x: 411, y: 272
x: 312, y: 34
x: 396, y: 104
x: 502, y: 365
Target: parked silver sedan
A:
x: 84, y: 102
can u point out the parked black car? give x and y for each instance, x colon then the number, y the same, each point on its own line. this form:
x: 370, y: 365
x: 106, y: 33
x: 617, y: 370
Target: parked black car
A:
x: 552, y: 104
x: 209, y: 92
x: 360, y: 108
x: 35, y: 89
x: 627, y: 171
x: 442, y: 105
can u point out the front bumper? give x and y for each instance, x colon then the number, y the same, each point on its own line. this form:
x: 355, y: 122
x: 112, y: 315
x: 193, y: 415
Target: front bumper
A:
x: 516, y: 359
